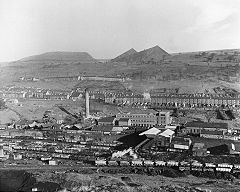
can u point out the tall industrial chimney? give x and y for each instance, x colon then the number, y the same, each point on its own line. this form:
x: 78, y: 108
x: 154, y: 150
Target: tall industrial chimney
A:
x: 87, y: 103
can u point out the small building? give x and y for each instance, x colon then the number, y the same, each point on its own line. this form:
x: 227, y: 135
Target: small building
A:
x: 167, y: 133
x: 151, y: 133
x: 118, y: 129
x: 3, y: 126
x: 160, y: 139
x: 195, y: 127
x: 124, y: 122
x: 17, y: 156
x: 199, y: 149
x: 180, y: 144
x: 75, y: 95
x: 212, y: 134
x: 105, y: 129
x: 52, y: 162
x: 106, y: 121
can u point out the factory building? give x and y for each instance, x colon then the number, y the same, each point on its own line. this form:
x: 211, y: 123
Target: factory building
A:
x: 163, y: 118
x: 147, y: 120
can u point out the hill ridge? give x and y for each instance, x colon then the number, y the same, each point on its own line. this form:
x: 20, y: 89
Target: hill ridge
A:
x: 60, y: 56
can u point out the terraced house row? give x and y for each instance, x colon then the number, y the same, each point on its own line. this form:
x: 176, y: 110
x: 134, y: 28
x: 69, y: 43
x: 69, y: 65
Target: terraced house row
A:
x: 182, y: 99
x: 196, y: 99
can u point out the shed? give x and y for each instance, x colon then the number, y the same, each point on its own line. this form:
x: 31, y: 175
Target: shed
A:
x: 167, y: 133
x: 106, y: 129
x: 151, y: 132
x: 107, y: 120
x: 181, y: 143
x: 124, y: 122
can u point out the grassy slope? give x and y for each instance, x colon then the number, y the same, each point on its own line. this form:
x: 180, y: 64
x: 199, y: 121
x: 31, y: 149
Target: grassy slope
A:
x: 191, y: 71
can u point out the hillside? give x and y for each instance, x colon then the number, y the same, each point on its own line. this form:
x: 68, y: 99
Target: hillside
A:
x: 60, y: 57
x: 148, y: 69
x: 151, y: 55
x: 123, y: 56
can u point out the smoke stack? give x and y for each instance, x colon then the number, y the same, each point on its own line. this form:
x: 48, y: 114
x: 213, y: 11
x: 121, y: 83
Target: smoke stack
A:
x: 87, y: 103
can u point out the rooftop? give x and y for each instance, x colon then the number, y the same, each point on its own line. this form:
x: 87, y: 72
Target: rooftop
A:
x: 167, y: 133
x: 206, y: 125
x: 75, y: 94
x: 124, y: 119
x: 212, y: 132
x: 107, y: 119
x: 103, y: 128
x: 181, y: 140
x: 152, y: 131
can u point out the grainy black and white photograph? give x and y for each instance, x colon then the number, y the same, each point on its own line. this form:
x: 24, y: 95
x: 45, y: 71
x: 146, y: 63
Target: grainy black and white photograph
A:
x: 119, y: 95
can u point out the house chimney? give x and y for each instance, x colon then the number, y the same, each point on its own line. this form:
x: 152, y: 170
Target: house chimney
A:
x: 87, y: 103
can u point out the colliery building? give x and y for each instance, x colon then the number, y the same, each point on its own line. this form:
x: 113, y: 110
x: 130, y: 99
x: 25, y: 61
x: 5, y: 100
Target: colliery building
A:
x: 196, y: 127
x: 148, y: 120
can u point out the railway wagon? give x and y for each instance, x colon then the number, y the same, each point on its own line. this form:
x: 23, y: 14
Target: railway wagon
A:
x: 113, y: 163
x: 184, y: 166
x: 173, y: 164
x: 196, y: 166
x: 160, y: 163
x: 137, y: 163
x: 124, y: 163
x: 236, y: 170
x: 100, y: 162
x: 148, y: 163
x: 224, y: 167
x: 209, y: 167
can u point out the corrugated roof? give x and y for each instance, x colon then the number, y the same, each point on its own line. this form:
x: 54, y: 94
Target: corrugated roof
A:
x: 124, y: 119
x: 106, y: 119
x: 167, y: 133
x: 152, y: 131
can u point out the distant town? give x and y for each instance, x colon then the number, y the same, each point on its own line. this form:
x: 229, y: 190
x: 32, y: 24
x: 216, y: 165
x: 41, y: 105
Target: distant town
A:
x: 135, y: 120
x: 150, y: 130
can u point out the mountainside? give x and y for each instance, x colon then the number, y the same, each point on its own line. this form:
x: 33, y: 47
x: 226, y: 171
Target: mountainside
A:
x: 191, y: 72
x: 61, y: 56
x: 153, y: 54
x: 124, y: 55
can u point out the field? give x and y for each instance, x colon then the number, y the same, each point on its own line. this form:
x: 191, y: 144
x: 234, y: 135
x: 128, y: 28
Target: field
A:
x: 8, y: 116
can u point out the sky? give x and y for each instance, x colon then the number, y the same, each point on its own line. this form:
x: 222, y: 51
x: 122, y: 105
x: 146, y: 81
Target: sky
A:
x: 107, y: 28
